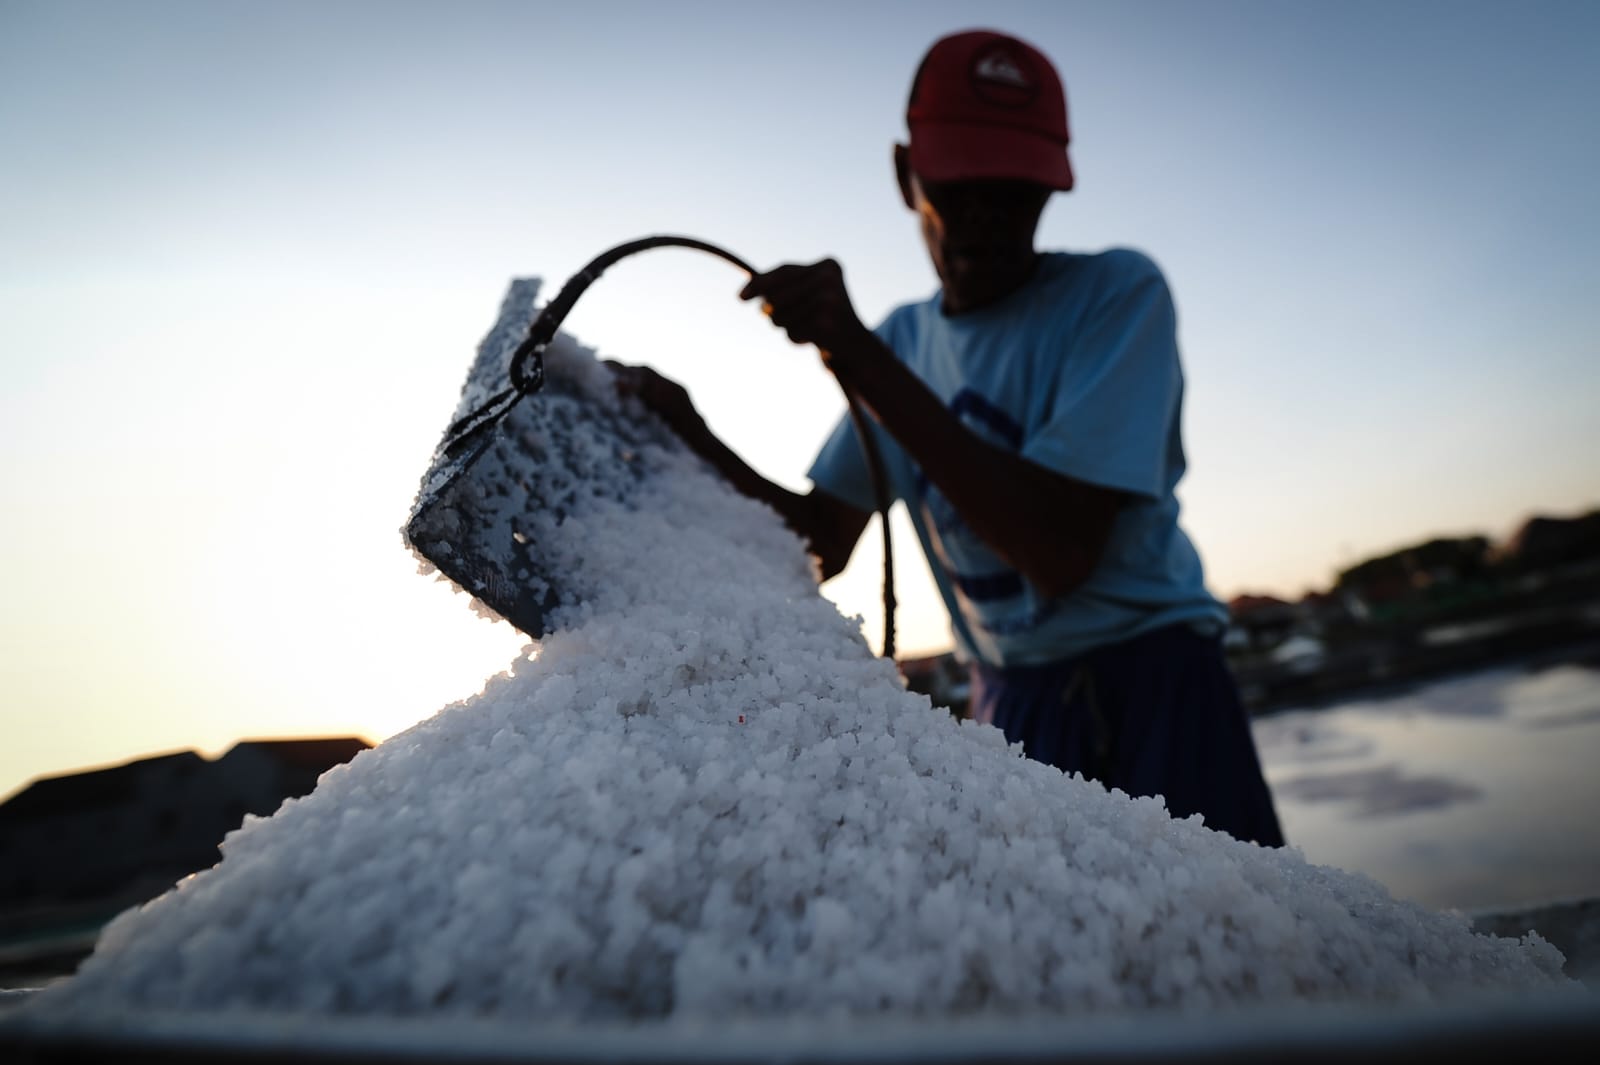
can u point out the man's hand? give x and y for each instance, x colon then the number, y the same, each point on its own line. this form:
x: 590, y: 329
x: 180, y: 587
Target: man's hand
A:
x: 831, y: 527
x: 666, y: 398
x: 811, y: 304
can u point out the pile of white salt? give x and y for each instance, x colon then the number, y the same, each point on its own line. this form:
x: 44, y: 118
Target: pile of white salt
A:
x: 701, y: 797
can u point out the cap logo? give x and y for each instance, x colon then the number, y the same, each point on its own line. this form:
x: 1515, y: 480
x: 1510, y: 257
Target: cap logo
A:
x: 1001, y: 76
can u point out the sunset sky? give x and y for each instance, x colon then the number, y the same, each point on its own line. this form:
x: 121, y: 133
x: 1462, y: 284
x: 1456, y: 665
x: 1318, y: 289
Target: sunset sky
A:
x: 246, y: 252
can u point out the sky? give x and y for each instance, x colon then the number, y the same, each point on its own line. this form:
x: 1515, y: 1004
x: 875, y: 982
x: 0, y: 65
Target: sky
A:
x: 247, y: 251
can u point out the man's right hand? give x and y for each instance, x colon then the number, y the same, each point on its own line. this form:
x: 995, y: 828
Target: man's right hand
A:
x: 810, y: 303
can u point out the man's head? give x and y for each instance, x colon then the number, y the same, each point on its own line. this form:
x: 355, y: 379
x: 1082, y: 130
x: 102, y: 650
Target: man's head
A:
x: 988, y: 122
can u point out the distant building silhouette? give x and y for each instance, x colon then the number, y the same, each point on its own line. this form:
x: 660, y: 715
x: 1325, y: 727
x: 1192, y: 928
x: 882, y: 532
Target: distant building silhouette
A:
x: 1261, y: 622
x: 144, y: 825
x: 1544, y: 541
x: 1398, y: 577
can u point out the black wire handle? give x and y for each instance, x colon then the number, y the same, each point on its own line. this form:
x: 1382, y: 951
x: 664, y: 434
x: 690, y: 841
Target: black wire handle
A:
x: 527, y: 362
x: 880, y: 494
x: 527, y: 376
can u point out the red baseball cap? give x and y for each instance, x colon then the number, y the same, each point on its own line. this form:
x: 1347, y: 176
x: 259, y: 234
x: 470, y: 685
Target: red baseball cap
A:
x: 986, y: 105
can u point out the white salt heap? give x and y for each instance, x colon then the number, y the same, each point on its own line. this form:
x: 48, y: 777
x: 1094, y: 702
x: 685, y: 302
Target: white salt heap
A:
x: 703, y: 797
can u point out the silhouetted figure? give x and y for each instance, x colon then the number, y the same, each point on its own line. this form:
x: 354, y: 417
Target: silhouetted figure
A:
x: 1028, y: 414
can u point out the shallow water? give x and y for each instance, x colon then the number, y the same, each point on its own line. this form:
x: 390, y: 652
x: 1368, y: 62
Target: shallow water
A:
x: 1476, y: 793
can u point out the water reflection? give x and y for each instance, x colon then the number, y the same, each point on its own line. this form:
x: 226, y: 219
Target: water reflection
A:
x: 1475, y: 793
x: 1488, y: 695
x: 1382, y: 792
x: 1576, y: 717
x: 1300, y: 739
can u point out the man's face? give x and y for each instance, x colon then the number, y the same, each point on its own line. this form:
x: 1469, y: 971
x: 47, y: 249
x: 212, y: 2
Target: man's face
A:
x: 979, y: 235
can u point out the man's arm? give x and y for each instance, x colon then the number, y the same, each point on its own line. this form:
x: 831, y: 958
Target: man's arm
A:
x: 1049, y: 527
x: 830, y: 526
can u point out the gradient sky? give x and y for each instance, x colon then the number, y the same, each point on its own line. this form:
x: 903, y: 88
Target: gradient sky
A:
x: 247, y: 250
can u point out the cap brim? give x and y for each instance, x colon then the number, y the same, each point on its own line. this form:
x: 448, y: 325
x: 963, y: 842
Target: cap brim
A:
x: 954, y: 151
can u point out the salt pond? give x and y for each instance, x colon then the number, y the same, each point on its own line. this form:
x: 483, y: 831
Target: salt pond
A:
x: 1477, y: 793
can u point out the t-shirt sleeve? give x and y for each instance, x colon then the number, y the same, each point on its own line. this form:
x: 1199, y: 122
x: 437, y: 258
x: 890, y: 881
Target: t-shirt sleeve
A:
x: 1119, y: 389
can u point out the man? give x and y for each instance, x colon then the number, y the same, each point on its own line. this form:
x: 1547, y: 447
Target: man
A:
x: 1028, y: 416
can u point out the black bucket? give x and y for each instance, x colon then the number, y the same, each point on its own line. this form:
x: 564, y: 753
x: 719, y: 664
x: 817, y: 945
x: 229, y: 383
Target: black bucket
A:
x: 493, y: 494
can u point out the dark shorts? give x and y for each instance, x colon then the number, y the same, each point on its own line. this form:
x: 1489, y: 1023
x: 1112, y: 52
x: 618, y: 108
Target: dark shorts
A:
x: 1156, y: 715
